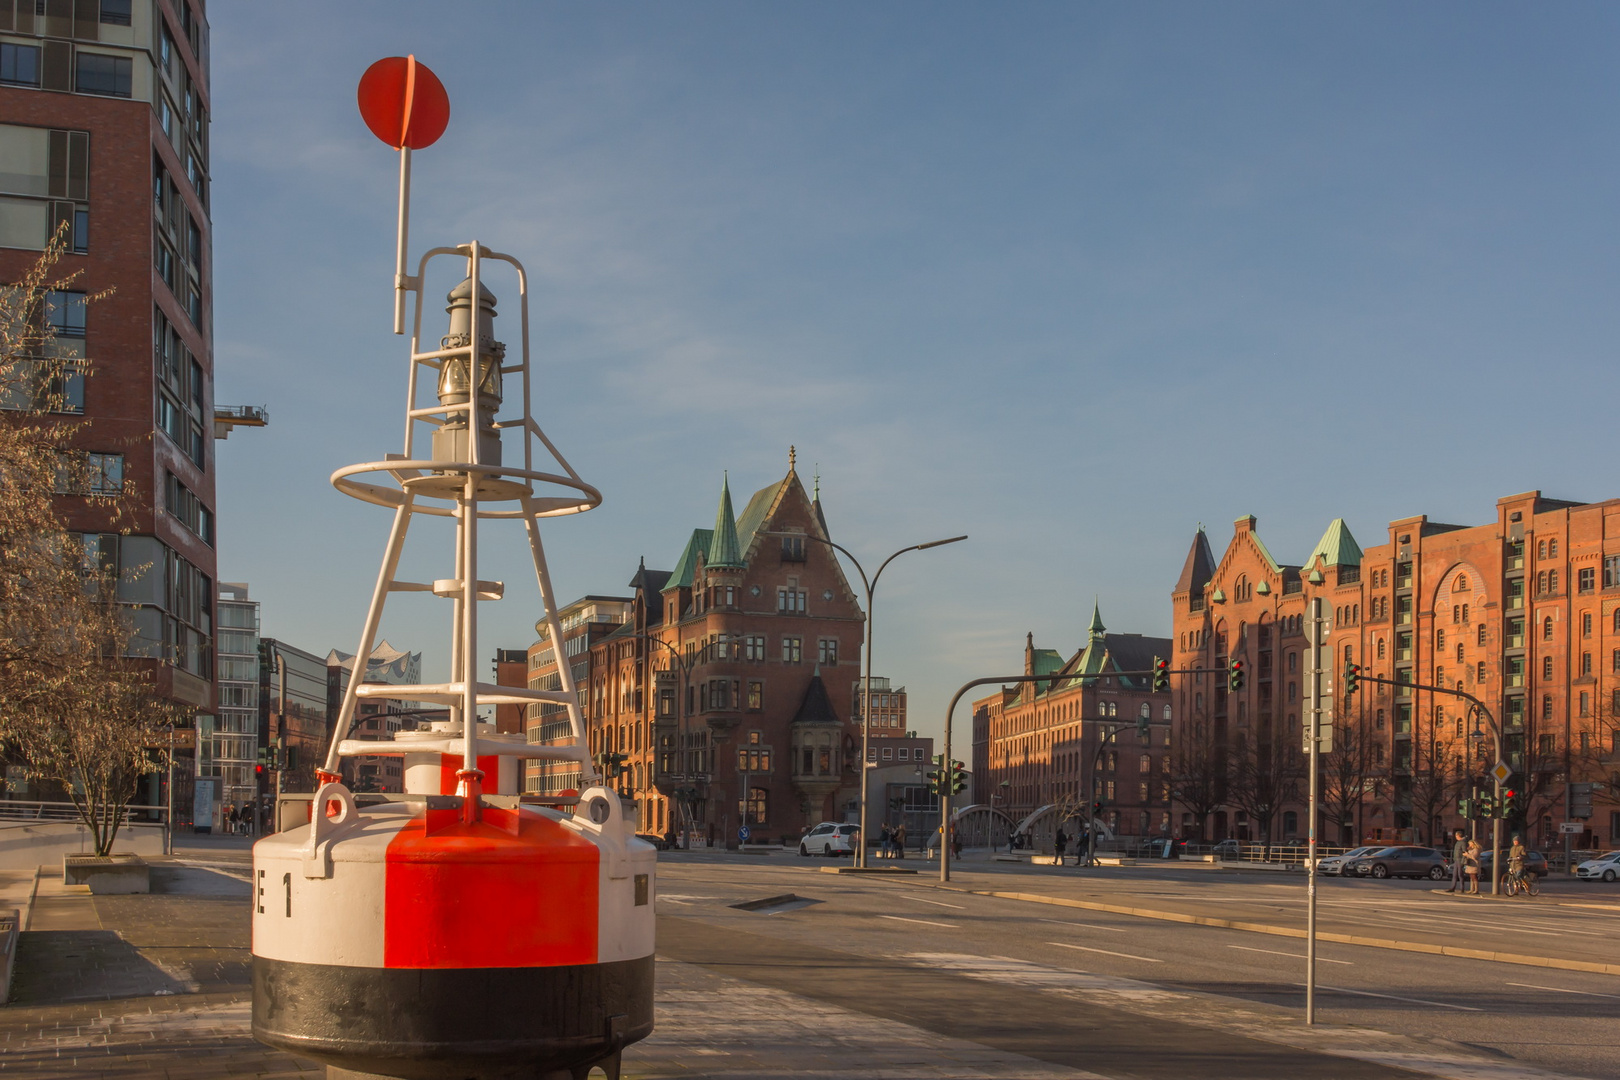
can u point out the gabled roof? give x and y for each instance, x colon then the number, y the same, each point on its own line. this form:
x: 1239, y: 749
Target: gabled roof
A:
x: 686, y: 565
x: 724, y: 551
x: 755, y: 513
x: 817, y: 706
x: 1337, y: 547
x: 1265, y: 553
x: 1199, y: 568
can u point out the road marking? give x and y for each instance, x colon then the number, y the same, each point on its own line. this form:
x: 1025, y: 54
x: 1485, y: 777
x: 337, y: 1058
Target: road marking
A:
x: 1296, y: 956
x: 1087, y: 925
x: 936, y: 903
x: 925, y: 922
x: 1105, y: 952
x: 1561, y: 990
x: 1393, y: 997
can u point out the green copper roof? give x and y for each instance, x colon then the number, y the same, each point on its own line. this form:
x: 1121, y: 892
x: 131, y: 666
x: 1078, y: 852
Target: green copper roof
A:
x: 686, y: 565
x: 753, y: 515
x: 1096, y: 629
x: 724, y: 550
x: 1337, y: 547
x: 1265, y: 553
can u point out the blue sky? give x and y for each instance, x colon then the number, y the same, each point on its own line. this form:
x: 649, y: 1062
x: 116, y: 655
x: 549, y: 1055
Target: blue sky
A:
x: 1069, y: 278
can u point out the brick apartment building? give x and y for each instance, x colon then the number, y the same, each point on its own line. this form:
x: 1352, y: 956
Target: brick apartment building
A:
x: 104, y: 110
x: 888, y: 707
x: 1041, y: 739
x: 729, y: 676
x: 1523, y: 613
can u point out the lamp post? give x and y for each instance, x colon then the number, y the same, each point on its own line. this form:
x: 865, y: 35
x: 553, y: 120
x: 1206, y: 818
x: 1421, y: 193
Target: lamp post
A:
x: 870, y: 585
x: 168, y: 795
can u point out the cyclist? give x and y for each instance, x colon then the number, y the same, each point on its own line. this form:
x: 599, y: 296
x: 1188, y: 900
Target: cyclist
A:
x: 1517, y: 878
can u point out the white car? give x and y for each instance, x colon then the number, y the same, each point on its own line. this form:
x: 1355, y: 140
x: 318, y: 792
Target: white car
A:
x: 830, y: 839
x: 1334, y: 864
x: 1605, y: 867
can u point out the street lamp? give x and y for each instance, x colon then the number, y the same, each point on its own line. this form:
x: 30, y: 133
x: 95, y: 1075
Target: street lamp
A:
x: 870, y: 585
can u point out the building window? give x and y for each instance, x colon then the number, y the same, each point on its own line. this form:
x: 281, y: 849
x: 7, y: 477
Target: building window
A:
x: 1586, y: 624
x: 19, y: 64
x: 1552, y: 548
x: 1546, y: 628
x: 754, y: 647
x: 793, y: 549
x: 1482, y: 635
x: 792, y: 650
x: 1611, y: 571
x: 1586, y: 663
x: 1546, y: 706
x: 1586, y: 707
x: 1552, y: 581
x: 758, y: 805
x: 1587, y: 579
x: 1479, y: 672
x: 1546, y: 669
x: 756, y: 695
x: 1380, y: 648
x: 101, y: 74
x: 117, y: 12
x: 189, y: 510
x: 89, y: 474
x: 827, y: 651
x: 1167, y: 712
x: 790, y: 601
x: 1439, y: 641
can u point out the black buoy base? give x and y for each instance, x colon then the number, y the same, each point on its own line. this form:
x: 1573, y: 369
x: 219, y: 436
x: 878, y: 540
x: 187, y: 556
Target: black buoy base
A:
x: 541, y: 1023
x: 609, y: 1065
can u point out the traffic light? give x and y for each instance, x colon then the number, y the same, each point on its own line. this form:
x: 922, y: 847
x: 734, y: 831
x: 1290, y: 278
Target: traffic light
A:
x: 1144, y: 727
x: 936, y: 775
x: 1161, y: 675
x: 1352, y: 679
x: 1487, y: 805
x: 1510, y: 802
x: 1234, y: 676
x: 610, y: 764
x: 958, y: 778
x: 1465, y: 809
x: 1096, y: 809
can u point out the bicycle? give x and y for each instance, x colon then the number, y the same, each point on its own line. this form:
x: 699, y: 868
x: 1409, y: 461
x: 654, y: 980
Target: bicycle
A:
x: 1518, y: 881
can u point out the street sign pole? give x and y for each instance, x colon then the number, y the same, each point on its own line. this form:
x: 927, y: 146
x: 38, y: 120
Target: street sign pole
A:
x: 1313, y: 711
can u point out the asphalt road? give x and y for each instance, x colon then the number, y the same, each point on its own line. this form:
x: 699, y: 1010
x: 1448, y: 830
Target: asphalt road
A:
x: 1127, y: 996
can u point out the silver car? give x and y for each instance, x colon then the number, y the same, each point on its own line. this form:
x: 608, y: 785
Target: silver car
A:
x: 1334, y: 864
x: 1605, y: 867
x: 830, y: 839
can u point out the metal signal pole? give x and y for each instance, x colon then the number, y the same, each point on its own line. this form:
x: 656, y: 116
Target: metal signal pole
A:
x: 1313, y: 744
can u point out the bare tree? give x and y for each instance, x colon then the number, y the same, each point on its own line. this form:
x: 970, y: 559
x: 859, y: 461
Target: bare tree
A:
x: 1348, y: 776
x: 1198, y: 777
x: 74, y: 708
x: 1437, y: 777
x: 1265, y: 777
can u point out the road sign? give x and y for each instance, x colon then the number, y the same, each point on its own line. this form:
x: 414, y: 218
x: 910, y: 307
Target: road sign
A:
x: 1501, y: 773
x: 1573, y: 827
x: 742, y: 833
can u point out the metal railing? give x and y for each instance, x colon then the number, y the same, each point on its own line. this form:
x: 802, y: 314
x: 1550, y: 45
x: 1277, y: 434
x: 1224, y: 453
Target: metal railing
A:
x: 22, y: 810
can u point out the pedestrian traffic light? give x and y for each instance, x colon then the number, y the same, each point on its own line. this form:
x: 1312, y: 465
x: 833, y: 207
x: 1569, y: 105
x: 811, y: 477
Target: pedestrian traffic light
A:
x: 1352, y: 679
x: 1234, y: 676
x: 958, y: 778
x: 1161, y: 675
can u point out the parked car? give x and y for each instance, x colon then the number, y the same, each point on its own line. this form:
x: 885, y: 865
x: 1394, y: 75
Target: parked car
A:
x: 830, y: 839
x: 1334, y: 864
x: 1534, y: 863
x: 1400, y: 861
x: 1228, y: 849
x: 1605, y: 867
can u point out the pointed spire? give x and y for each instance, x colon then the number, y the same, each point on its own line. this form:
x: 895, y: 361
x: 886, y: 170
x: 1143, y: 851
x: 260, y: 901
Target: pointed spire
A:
x: 815, y: 504
x: 1096, y: 629
x: 793, y: 457
x: 724, y: 550
x: 1199, y: 567
x: 1337, y: 547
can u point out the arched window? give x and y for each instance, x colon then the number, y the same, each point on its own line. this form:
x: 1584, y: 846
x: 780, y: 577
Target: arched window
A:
x: 1347, y: 654
x: 1439, y: 641
x: 1146, y: 711
x: 1113, y: 709
x: 1462, y: 583
x: 1552, y: 580
x: 1355, y: 613
x: 1380, y: 648
x: 1482, y: 633
x: 1292, y: 689
x: 1552, y: 548
x: 1460, y: 649
x: 1456, y: 613
x: 1541, y: 550
x: 1198, y: 702
x: 1167, y: 712
x: 1144, y: 765
x: 1465, y: 614
x: 1293, y: 662
x: 1547, y: 627
x: 1102, y: 708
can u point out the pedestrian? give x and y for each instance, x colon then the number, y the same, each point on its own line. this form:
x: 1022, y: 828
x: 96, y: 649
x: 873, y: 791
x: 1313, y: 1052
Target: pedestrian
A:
x: 1061, y: 844
x: 228, y: 818
x: 1459, y: 849
x: 899, y: 840
x: 956, y: 843
x: 1471, y: 866
x: 885, y: 838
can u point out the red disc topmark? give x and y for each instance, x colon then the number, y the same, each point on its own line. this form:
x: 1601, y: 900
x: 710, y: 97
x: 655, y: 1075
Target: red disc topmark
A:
x: 404, y: 103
